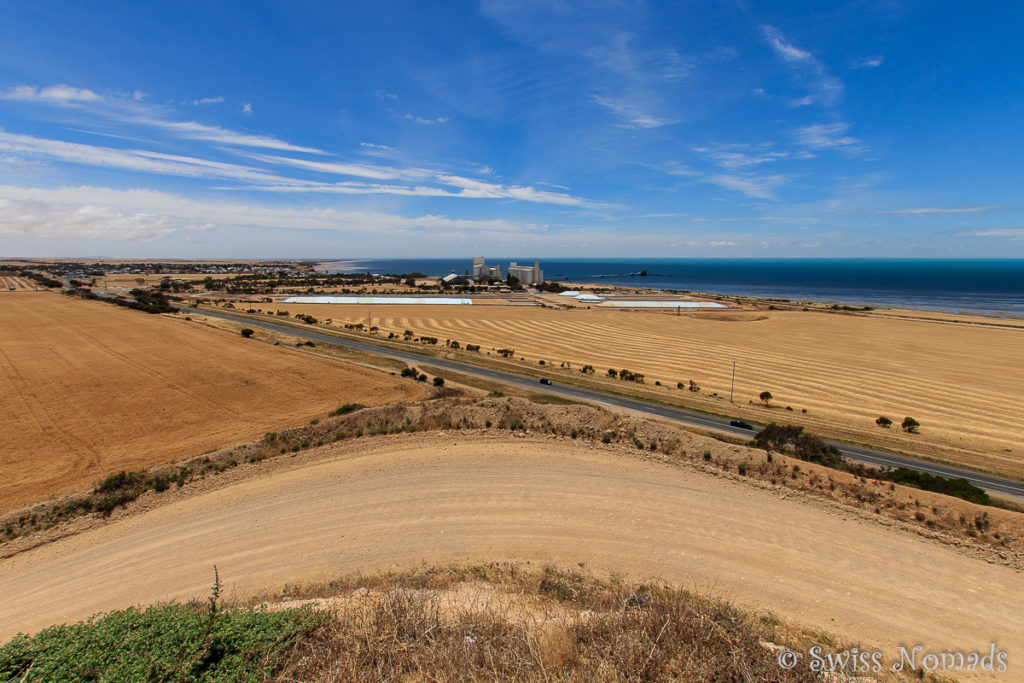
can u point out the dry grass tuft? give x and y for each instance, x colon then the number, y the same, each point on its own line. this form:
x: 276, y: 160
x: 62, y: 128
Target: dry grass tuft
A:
x: 579, y: 629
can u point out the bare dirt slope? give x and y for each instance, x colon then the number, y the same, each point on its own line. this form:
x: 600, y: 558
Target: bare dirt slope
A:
x: 401, y: 500
x: 961, y: 382
x: 87, y: 389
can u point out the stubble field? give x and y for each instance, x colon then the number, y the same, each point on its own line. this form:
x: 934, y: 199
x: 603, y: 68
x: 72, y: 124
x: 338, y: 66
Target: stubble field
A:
x: 961, y: 382
x: 88, y: 389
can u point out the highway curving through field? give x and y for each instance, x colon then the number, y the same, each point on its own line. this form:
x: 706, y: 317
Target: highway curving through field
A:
x: 991, y: 483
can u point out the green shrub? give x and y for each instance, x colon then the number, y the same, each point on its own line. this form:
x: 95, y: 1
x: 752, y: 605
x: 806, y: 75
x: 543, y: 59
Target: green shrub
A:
x: 170, y: 642
x: 347, y: 408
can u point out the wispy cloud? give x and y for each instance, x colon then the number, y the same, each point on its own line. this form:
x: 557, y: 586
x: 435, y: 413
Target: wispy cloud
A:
x: 825, y: 136
x: 426, y: 122
x: 482, y: 189
x: 247, y: 109
x: 868, y: 63
x: 634, y: 115
x: 207, y: 100
x: 785, y: 49
x: 759, y: 187
x: 1004, y: 233
x: 826, y: 89
x: 740, y: 156
x: 941, y: 210
x: 54, y: 94
x: 145, y: 215
x: 198, y: 131
x: 341, y: 168
x: 131, y: 160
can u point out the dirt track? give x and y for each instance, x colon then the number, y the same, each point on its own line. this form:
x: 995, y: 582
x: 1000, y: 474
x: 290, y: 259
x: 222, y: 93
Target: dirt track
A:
x: 397, y: 501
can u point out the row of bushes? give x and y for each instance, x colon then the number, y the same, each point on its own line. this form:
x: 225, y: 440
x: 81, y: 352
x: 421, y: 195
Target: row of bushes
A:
x: 807, y: 447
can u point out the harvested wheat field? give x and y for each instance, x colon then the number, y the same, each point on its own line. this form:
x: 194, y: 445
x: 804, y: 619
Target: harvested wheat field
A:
x: 398, y: 501
x: 88, y: 389
x: 16, y: 284
x: 961, y: 382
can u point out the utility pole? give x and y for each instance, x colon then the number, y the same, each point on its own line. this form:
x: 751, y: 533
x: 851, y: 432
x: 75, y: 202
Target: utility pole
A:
x: 733, y: 384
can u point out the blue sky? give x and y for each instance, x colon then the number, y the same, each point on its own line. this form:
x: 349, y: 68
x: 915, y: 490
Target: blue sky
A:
x: 868, y: 128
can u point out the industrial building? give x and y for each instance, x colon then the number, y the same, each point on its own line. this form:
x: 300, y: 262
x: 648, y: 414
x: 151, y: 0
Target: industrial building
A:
x: 483, y: 272
x: 527, y: 275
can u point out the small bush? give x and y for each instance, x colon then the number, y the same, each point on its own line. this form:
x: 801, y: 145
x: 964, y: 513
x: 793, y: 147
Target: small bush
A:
x: 347, y: 408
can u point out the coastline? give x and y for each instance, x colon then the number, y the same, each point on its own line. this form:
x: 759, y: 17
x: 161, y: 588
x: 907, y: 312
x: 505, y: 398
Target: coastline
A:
x: 999, y: 294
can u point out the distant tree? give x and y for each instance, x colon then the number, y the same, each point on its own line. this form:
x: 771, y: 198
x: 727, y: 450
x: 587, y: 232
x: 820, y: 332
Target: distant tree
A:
x: 439, y: 381
x: 410, y: 282
x: 693, y: 386
x: 513, y: 282
x: 910, y: 424
x: 883, y: 421
x: 612, y: 372
x: 766, y: 396
x: 247, y: 332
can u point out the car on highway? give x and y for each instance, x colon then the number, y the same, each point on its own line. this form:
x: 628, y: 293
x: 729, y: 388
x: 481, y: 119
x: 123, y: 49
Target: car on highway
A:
x: 545, y: 380
x: 741, y: 424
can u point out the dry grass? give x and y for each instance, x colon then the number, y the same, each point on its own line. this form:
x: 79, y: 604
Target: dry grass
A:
x: 514, y: 622
x: 573, y: 628
x: 89, y: 389
x: 844, y: 370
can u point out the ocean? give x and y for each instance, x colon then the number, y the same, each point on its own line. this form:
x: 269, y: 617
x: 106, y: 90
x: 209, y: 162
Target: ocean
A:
x: 967, y: 286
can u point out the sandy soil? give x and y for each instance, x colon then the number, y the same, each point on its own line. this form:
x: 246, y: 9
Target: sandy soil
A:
x: 402, y: 500
x: 88, y: 389
x: 961, y: 382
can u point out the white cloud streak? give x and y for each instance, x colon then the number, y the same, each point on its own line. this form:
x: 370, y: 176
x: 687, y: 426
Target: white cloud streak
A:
x: 1004, y: 233
x: 133, y: 160
x: 54, y: 94
x: 824, y: 136
x: 632, y: 113
x: 144, y: 215
x: 827, y: 89
x: 761, y: 187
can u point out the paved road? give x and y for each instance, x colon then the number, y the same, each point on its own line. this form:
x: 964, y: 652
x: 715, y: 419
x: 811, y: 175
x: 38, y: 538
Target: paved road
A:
x: 990, y: 483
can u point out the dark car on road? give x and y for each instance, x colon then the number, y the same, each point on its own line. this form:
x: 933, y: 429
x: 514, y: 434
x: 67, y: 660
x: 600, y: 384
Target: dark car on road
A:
x: 741, y: 424
x: 545, y: 380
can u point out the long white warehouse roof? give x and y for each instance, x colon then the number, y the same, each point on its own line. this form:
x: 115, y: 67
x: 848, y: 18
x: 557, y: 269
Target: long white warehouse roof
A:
x: 662, y: 304
x: 379, y: 300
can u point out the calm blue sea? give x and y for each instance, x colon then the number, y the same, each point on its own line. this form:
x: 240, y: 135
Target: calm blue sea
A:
x: 993, y: 287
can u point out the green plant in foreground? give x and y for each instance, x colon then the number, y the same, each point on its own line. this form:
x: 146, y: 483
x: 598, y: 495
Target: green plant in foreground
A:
x: 171, y: 642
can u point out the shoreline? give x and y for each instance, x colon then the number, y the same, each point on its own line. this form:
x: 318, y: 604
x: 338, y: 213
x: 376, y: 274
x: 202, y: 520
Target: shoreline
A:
x: 787, y: 295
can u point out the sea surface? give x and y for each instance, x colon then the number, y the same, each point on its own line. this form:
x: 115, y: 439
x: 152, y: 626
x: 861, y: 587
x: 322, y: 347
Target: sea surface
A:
x: 968, y: 286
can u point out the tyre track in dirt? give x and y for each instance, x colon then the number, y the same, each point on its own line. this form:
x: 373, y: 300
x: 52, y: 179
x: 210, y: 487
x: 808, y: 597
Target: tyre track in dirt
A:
x: 398, y: 501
